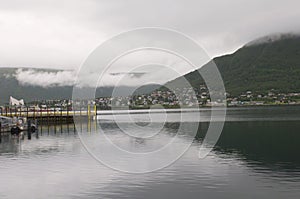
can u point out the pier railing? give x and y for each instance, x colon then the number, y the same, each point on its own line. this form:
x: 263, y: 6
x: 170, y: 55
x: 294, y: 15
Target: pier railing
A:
x: 49, y: 114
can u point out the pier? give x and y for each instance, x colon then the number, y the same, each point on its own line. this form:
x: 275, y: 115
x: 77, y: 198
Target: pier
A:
x: 46, y: 116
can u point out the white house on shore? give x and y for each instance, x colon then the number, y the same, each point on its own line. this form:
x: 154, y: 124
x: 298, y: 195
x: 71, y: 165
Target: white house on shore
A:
x: 15, y: 102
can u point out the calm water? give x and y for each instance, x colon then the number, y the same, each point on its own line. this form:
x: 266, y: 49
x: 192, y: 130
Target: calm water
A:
x: 257, y: 155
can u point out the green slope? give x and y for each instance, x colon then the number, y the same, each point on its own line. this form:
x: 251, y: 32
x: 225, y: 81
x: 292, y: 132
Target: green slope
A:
x: 258, y: 67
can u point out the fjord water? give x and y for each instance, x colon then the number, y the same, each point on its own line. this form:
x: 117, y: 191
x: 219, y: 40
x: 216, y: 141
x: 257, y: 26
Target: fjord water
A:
x: 257, y: 156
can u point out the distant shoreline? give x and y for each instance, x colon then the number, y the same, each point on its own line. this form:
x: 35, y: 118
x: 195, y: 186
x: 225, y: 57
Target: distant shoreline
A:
x: 182, y: 110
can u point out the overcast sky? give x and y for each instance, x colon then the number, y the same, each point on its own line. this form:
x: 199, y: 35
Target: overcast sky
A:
x: 62, y: 33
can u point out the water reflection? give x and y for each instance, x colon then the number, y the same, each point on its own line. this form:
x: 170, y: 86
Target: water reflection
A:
x: 269, y: 143
x: 251, y: 159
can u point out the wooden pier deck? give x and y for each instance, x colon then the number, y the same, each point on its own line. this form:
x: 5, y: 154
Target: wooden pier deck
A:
x: 50, y: 116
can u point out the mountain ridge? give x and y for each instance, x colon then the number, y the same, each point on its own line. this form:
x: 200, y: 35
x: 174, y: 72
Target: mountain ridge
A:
x: 10, y: 86
x: 273, y: 65
x: 265, y: 66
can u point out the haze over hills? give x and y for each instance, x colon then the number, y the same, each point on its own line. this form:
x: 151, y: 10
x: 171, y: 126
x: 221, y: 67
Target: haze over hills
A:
x: 271, y: 62
x: 10, y: 86
x: 59, y: 85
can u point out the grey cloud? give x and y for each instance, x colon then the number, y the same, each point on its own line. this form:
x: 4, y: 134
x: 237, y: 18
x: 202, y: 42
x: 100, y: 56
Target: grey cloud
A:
x: 132, y: 74
x: 61, y: 33
x: 45, y: 79
x: 271, y: 38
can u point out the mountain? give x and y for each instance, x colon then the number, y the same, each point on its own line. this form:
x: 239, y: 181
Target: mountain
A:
x: 10, y: 85
x: 271, y: 62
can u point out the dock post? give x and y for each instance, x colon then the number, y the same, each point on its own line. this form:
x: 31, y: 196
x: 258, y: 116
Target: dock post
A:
x: 61, y: 110
x: 0, y: 132
x: 68, y: 115
x: 29, y: 129
x: 80, y: 109
x: 55, y: 118
x: 95, y: 112
x: 36, y: 124
x: 37, y: 133
x: 41, y: 116
x: 34, y: 113
x: 48, y: 116
x: 41, y: 121
x: 61, y: 119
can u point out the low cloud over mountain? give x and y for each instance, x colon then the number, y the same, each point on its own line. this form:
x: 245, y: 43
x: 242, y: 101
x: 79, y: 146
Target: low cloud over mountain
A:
x: 45, y: 78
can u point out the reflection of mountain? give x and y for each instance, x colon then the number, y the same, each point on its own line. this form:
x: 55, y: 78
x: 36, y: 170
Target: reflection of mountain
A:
x: 269, y: 143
